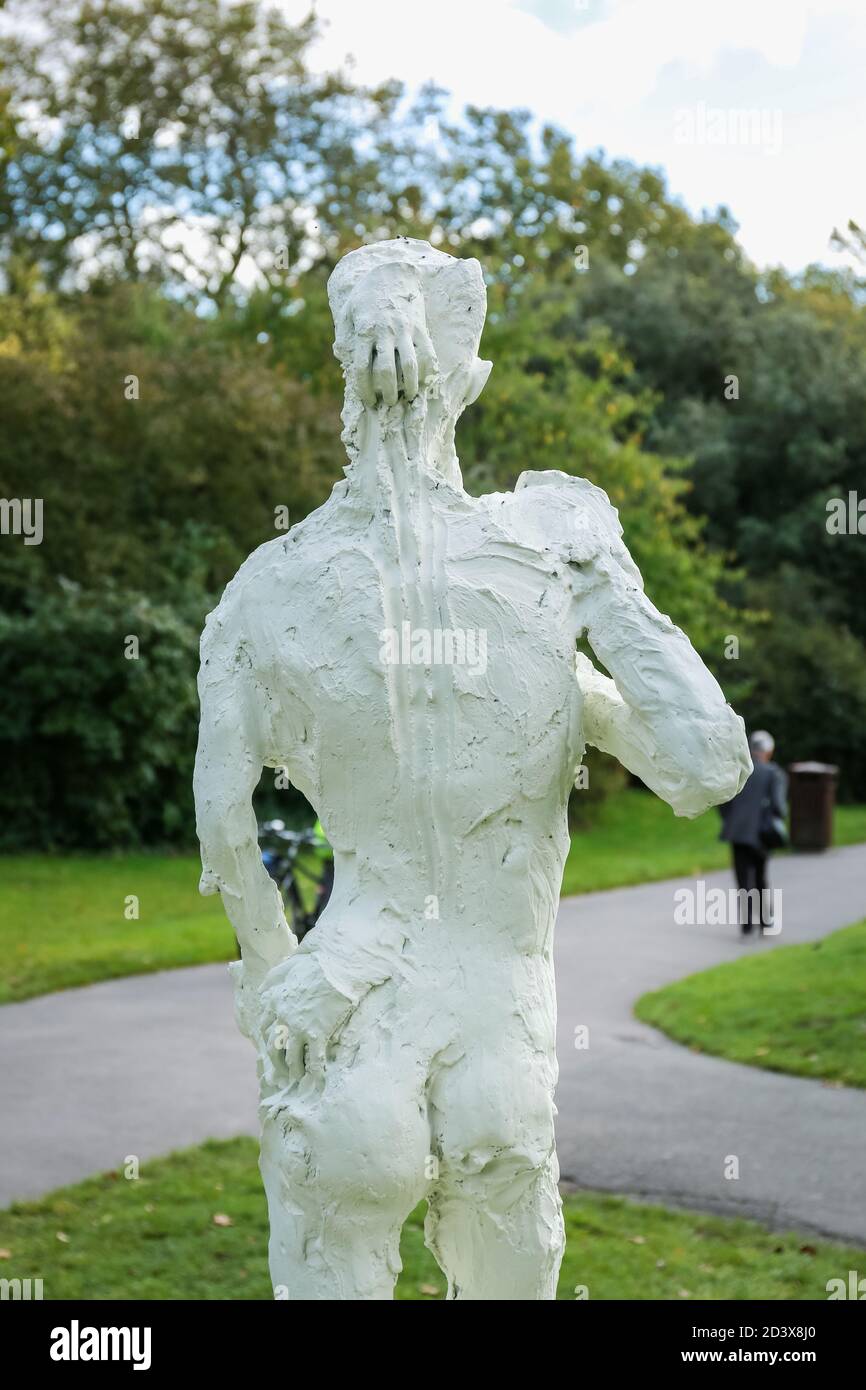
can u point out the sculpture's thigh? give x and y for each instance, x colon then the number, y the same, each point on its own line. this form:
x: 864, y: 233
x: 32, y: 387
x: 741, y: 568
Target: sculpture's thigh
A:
x: 495, y: 1219
x: 343, y: 1165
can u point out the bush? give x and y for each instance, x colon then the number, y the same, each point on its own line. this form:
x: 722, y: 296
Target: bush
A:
x: 806, y: 678
x: 97, y: 743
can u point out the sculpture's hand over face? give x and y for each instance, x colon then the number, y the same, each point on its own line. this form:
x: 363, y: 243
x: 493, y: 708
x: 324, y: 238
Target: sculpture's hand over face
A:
x: 392, y: 353
x: 302, y: 1015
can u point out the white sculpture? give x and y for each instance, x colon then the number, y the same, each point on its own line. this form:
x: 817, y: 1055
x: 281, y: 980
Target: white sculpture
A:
x: 408, y: 653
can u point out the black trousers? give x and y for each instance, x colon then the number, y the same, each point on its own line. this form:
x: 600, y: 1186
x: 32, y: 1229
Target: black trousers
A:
x: 750, y: 867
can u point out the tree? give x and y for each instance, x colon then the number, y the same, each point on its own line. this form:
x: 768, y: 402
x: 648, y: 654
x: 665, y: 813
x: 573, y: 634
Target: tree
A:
x: 555, y: 400
x: 181, y: 141
x: 175, y: 186
x: 96, y: 736
x: 146, y: 436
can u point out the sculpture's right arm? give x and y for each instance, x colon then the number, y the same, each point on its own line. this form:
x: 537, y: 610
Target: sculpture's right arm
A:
x: 663, y: 716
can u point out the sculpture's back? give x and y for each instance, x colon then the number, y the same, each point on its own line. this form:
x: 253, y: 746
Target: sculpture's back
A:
x: 408, y: 653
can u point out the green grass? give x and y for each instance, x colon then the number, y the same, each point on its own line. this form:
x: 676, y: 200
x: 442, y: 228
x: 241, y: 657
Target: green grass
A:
x: 155, y: 1238
x: 62, y: 919
x: 797, y: 1009
x: 635, y: 838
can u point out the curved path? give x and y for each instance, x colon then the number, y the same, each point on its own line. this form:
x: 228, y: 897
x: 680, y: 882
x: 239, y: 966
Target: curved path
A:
x: 642, y: 1115
x: 151, y: 1063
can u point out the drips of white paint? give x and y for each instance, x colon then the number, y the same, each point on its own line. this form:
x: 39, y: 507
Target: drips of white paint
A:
x: 403, y: 1053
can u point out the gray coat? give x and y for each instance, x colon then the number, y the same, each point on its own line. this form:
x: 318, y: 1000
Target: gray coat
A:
x: 741, y: 817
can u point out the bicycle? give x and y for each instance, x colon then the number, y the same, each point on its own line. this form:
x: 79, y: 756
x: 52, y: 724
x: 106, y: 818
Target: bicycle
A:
x: 283, y: 857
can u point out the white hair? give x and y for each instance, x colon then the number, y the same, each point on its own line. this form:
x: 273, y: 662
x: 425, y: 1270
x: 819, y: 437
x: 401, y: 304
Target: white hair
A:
x: 761, y: 742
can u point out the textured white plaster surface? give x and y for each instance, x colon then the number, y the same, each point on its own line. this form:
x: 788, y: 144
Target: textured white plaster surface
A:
x: 406, y: 1048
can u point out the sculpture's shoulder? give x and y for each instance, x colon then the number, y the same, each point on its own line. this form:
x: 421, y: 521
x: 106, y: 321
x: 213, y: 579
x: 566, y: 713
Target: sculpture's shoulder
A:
x: 271, y: 580
x: 555, y: 499
x: 550, y: 509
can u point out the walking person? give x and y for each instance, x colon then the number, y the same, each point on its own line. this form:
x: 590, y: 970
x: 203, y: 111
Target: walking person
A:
x: 753, y: 823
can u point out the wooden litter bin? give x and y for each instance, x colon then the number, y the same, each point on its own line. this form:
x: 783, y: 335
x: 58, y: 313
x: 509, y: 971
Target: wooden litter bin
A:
x: 812, y: 791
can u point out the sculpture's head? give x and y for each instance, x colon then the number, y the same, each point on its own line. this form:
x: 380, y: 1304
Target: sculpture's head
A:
x: 402, y: 301
x: 456, y: 303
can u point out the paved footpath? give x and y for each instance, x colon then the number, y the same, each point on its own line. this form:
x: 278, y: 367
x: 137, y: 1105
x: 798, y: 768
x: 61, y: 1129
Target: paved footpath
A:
x: 641, y: 1114
x: 152, y: 1063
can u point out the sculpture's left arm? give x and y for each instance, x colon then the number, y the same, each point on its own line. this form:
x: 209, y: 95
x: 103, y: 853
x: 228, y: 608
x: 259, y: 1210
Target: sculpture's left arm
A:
x: 228, y: 766
x: 290, y: 1001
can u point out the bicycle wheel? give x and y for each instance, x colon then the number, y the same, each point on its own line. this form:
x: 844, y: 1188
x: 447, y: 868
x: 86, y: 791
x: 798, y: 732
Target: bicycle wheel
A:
x: 299, y: 919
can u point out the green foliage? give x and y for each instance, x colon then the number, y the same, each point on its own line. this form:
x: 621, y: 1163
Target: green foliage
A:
x: 807, y: 679
x: 185, y: 476
x: 555, y: 400
x: 96, y: 749
x: 763, y: 468
x: 518, y: 197
x: 134, y: 121
x: 175, y: 185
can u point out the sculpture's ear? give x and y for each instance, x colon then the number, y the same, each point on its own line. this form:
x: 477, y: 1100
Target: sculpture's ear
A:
x: 478, y: 374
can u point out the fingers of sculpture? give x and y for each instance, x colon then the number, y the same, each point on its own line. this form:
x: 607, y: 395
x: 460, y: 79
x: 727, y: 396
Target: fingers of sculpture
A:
x: 428, y: 365
x: 360, y: 371
x: 406, y: 362
x: 303, y: 1014
x: 393, y: 357
x: 384, y: 369
x: 390, y: 367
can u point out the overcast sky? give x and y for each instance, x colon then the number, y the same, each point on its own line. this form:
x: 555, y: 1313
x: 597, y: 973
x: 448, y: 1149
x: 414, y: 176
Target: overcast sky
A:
x: 660, y: 82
